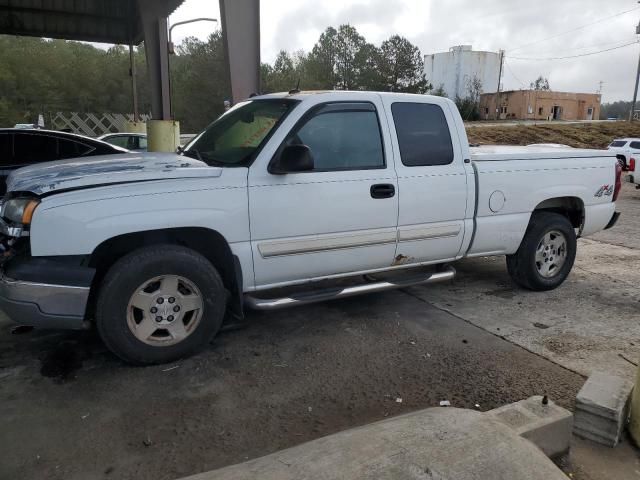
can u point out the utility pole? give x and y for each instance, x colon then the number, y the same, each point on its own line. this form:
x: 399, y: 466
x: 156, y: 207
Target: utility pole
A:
x: 499, y: 80
x: 635, y: 91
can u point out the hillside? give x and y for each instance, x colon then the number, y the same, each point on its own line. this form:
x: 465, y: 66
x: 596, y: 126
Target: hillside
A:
x: 587, y: 135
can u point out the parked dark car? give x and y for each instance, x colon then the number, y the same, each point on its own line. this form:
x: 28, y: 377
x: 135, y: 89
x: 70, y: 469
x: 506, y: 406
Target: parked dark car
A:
x: 22, y: 147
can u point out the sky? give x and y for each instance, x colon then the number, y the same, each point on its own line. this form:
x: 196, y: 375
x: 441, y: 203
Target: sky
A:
x: 527, y: 31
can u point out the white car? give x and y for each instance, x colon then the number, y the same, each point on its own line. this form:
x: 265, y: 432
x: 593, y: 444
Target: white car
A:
x: 625, y: 148
x: 136, y: 142
x: 284, y: 190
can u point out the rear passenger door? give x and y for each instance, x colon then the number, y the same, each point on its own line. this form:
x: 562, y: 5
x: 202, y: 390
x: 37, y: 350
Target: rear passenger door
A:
x: 432, y: 181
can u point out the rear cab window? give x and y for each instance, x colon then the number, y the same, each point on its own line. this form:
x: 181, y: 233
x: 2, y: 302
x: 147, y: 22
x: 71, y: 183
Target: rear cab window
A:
x: 423, y: 134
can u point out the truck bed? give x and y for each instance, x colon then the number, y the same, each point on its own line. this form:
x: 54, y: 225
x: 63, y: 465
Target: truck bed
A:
x: 493, y: 153
x: 512, y: 181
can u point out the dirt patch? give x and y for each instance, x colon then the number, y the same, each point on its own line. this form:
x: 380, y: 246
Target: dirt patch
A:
x: 587, y: 135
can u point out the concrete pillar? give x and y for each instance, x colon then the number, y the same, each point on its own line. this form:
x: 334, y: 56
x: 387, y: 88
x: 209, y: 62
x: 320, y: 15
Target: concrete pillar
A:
x: 241, y: 36
x: 163, y: 135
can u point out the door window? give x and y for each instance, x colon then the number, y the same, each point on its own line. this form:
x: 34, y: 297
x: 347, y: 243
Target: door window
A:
x: 70, y: 149
x: 29, y: 148
x: 635, y: 145
x: 423, y: 134
x: 342, y: 137
x: 142, y: 143
x: 119, y: 141
x: 6, y: 149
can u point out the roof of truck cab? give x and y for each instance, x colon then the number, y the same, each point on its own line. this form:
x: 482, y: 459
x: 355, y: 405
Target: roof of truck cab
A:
x: 301, y: 95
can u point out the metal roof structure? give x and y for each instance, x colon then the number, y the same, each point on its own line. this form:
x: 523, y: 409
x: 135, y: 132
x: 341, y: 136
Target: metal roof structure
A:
x: 107, y: 21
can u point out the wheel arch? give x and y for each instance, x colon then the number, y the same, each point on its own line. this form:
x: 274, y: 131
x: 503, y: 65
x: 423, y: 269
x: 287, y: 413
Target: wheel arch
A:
x: 569, y: 206
x: 208, y: 242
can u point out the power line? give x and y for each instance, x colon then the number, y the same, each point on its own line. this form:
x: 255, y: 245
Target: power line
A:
x: 575, y: 29
x: 584, y: 47
x: 514, y: 75
x: 576, y: 56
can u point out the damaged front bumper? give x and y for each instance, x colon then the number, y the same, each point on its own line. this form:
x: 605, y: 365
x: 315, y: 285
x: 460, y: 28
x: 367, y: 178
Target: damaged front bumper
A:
x: 45, y: 292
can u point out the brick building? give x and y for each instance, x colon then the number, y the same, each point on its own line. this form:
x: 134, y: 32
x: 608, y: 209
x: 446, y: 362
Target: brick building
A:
x: 539, y: 105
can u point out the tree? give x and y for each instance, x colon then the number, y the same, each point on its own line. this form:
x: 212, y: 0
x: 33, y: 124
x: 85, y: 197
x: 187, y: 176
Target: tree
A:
x: 322, y: 60
x: 541, y: 83
x: 348, y: 44
x: 402, y: 67
x: 469, y: 106
x: 200, y: 82
x: 439, y: 92
x: 283, y: 75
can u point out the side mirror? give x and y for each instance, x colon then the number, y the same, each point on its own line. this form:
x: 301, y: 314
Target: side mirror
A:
x: 292, y: 159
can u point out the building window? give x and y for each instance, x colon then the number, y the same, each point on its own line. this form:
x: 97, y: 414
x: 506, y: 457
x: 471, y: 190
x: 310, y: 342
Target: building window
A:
x: 530, y: 110
x: 503, y: 109
x: 540, y: 110
x: 486, y: 110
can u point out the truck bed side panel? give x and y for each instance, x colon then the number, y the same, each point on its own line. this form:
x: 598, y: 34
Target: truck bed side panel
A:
x: 510, y: 190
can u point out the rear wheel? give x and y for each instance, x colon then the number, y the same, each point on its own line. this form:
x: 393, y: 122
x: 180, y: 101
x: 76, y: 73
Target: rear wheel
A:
x: 546, y: 254
x: 160, y: 303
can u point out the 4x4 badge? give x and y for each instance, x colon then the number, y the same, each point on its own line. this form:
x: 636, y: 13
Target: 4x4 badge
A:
x: 606, y: 190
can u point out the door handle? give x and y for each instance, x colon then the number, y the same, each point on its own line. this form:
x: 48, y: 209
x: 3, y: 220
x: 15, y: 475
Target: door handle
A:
x: 382, y: 190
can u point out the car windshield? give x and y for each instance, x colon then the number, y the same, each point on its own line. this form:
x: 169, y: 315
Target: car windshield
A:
x: 235, y: 137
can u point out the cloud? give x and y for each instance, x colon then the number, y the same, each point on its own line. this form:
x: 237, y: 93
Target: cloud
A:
x: 436, y: 25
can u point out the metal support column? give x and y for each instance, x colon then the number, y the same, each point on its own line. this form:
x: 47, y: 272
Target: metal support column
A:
x: 134, y: 82
x: 163, y: 133
x: 241, y: 35
x: 156, y: 43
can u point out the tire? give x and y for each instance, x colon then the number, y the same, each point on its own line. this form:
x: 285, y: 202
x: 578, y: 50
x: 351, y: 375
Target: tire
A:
x: 133, y: 287
x: 546, y: 254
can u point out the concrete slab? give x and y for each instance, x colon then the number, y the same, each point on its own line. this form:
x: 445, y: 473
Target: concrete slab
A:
x: 547, y: 426
x: 431, y: 444
x: 602, y: 408
x: 604, y: 395
x: 590, y: 321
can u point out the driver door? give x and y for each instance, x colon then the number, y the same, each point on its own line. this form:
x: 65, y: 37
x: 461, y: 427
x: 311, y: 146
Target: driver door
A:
x: 338, y: 218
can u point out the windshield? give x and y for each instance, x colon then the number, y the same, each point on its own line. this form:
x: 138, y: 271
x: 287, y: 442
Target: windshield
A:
x: 235, y: 137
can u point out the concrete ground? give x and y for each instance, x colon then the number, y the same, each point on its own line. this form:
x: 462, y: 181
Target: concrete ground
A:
x: 591, y: 322
x: 70, y: 410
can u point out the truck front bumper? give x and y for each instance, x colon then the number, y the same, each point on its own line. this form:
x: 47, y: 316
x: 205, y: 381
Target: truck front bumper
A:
x: 45, y: 294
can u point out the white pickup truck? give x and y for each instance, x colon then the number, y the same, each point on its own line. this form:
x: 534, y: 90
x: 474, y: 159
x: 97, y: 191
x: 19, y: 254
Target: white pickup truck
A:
x: 284, y: 190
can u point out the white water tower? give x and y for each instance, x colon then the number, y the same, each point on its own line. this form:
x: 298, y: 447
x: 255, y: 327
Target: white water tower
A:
x: 453, y: 70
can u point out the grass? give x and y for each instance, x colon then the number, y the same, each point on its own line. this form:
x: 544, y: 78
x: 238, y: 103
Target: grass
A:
x: 587, y: 135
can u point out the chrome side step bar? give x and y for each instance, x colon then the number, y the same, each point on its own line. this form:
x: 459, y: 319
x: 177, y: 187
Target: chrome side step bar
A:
x: 304, y: 298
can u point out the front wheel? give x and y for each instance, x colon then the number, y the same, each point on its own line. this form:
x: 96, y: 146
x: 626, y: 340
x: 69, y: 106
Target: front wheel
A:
x: 158, y: 304
x: 546, y: 254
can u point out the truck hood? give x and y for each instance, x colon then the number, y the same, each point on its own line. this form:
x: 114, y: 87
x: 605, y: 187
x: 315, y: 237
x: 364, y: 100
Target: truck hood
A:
x: 106, y: 170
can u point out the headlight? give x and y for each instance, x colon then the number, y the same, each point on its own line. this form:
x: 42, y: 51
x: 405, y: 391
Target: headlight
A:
x: 19, y: 210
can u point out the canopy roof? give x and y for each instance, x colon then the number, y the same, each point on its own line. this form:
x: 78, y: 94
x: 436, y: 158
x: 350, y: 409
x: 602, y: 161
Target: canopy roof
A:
x: 107, y: 21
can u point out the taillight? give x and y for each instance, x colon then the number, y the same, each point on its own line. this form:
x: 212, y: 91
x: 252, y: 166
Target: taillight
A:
x: 632, y: 165
x: 618, y: 186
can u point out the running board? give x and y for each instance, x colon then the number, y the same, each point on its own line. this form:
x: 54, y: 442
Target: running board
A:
x: 304, y: 298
